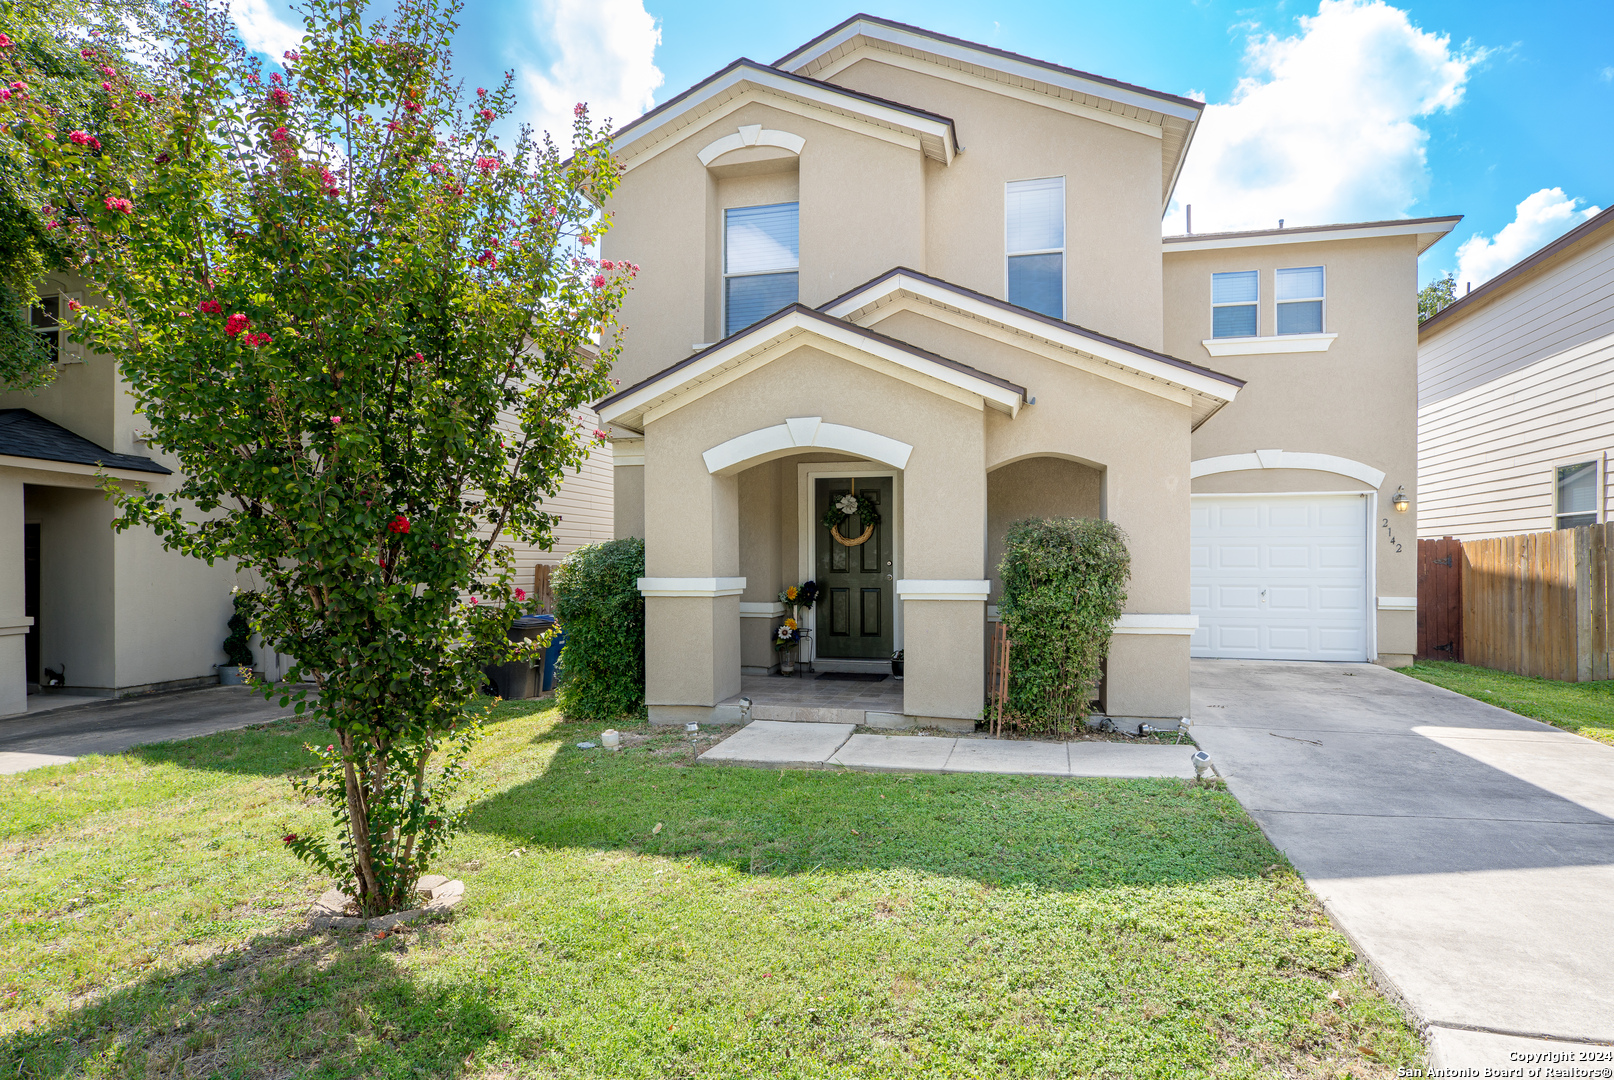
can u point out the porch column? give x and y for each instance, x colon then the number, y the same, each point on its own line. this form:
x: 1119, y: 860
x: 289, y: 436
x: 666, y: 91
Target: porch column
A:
x: 944, y: 587
x: 14, y: 626
x: 692, y: 585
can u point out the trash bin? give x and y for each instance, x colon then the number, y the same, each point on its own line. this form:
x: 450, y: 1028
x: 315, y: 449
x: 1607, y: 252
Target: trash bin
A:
x: 524, y: 678
x: 552, y: 660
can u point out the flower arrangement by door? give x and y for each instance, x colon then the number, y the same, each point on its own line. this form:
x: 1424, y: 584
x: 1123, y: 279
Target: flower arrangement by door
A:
x: 790, y: 634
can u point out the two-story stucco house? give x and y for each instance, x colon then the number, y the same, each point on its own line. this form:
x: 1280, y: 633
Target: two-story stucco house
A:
x: 933, y: 270
x: 1515, y: 379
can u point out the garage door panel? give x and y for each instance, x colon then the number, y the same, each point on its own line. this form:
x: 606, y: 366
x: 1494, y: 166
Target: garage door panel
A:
x: 1280, y: 577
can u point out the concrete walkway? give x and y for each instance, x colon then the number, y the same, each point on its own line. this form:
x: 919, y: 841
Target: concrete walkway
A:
x: 113, y: 725
x: 1467, y: 851
x: 779, y: 744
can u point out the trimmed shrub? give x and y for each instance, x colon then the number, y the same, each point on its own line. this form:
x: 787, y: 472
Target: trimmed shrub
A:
x: 1064, y: 585
x: 599, y: 607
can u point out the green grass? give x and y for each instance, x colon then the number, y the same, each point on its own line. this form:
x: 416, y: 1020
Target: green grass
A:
x: 778, y: 925
x: 1585, y: 708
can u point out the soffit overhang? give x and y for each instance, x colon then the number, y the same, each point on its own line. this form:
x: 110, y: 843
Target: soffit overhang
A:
x: 1428, y: 231
x: 1120, y: 361
x: 1172, y: 118
x: 745, y: 80
x: 795, y: 327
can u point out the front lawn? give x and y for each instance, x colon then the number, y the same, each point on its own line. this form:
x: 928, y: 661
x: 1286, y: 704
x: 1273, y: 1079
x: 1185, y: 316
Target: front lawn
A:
x: 631, y: 916
x: 1584, y: 708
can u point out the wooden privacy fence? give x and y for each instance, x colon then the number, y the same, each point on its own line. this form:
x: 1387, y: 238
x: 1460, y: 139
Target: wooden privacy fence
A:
x: 1540, y: 604
x: 1440, y: 599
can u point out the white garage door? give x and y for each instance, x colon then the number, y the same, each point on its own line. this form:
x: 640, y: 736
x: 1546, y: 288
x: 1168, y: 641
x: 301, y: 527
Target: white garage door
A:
x: 1280, y: 577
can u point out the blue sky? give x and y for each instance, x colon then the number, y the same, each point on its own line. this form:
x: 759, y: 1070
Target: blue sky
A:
x: 1322, y: 110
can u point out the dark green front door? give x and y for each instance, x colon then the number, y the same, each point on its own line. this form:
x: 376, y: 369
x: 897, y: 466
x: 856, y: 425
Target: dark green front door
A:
x: 856, y: 584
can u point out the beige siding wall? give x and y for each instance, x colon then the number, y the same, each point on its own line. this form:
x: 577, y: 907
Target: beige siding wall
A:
x: 1562, y: 304
x: 1486, y: 456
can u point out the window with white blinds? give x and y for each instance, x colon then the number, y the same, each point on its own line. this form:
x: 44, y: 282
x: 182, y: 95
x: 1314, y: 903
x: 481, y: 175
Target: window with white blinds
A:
x: 1034, y: 240
x: 761, y: 260
x: 1300, y: 300
x: 1575, y: 495
x: 1235, y: 303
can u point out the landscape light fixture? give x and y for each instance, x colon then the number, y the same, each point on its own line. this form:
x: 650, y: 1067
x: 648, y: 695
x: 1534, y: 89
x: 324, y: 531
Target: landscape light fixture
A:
x: 1202, y: 761
x: 1400, y: 501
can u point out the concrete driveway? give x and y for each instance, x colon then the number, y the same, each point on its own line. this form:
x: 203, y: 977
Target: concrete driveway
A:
x: 1467, y: 851
x: 113, y: 726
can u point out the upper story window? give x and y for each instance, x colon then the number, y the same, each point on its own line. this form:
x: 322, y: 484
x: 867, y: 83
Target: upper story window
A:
x: 46, y: 319
x: 1034, y: 239
x: 1235, y: 303
x: 761, y: 262
x: 1575, y: 495
x: 1300, y: 300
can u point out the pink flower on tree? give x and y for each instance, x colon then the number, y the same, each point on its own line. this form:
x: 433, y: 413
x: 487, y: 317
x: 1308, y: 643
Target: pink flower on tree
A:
x: 280, y: 134
x: 486, y: 114
x: 236, y: 323
x: 487, y: 258
x: 122, y: 206
x: 291, y: 56
x: 435, y: 168
x: 280, y: 97
x: 106, y: 69
x: 107, y: 87
x: 475, y: 601
x: 143, y: 96
x: 84, y: 138
x: 399, y: 524
x: 335, y: 420
x: 521, y: 594
x: 411, y: 106
x: 73, y: 305
x: 579, y: 109
x: 599, y: 281
x: 209, y: 307
x: 487, y: 164
x: 254, y: 340
x: 5, y: 42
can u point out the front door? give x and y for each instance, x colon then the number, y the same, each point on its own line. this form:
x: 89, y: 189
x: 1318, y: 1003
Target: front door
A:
x: 856, y: 582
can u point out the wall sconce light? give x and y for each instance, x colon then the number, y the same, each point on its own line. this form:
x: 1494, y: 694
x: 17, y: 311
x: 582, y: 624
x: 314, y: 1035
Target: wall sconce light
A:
x: 1400, y: 501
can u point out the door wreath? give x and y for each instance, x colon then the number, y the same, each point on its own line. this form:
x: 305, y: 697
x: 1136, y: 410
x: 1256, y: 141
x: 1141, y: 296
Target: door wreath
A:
x: 851, y: 505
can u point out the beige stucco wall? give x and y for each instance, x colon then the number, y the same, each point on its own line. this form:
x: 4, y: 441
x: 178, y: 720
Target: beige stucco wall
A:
x: 13, y: 641
x: 1358, y: 400
x: 1112, y: 196
x: 1036, y: 487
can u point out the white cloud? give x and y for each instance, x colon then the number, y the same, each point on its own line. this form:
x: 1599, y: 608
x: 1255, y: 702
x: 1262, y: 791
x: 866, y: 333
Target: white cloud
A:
x: 1607, y: 74
x: 1323, y: 126
x: 263, y: 30
x: 1541, y: 217
x: 603, y: 53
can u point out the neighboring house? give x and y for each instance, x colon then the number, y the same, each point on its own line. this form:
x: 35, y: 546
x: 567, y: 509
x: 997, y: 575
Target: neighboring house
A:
x: 1516, y: 395
x: 115, y: 613
x: 934, y: 270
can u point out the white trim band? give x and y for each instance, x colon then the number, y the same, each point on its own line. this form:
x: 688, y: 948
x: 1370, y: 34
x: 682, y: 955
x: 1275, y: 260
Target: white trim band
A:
x: 1183, y: 625
x: 1264, y: 346
x: 1288, y: 459
x: 752, y: 610
x: 10, y: 629
x: 1398, y: 603
x: 751, y: 135
x: 943, y: 589
x: 691, y: 586
x: 803, y: 431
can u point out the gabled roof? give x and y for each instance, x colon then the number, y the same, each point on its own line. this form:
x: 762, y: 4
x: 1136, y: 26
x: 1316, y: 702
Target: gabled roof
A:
x: 25, y: 434
x: 1512, y: 275
x: 1210, y: 389
x: 722, y: 91
x: 627, y: 407
x: 1428, y: 230
x: 1176, y: 116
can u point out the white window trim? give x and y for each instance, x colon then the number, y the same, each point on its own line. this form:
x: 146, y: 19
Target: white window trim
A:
x: 1599, y: 462
x: 67, y: 352
x: 1064, y: 220
x: 1323, y: 299
x: 723, y: 263
x: 1241, y: 303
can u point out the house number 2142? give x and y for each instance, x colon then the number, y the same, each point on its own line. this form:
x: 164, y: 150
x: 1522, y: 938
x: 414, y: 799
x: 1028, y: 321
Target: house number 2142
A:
x: 1385, y: 524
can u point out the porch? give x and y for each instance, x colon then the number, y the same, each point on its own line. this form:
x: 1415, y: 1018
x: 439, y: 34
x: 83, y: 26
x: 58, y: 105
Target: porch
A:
x: 832, y: 697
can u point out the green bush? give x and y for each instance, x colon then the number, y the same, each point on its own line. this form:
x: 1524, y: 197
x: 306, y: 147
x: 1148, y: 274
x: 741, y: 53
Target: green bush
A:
x: 599, y: 607
x: 1064, y: 585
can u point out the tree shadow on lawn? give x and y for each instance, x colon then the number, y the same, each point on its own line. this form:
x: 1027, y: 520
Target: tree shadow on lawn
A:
x: 301, y: 1003
x: 1051, y: 833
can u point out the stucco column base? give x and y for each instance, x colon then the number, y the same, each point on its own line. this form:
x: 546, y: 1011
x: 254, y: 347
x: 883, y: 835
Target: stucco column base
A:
x: 944, y: 658
x: 692, y: 650
x: 679, y: 715
x: 1147, y: 676
x: 1395, y: 660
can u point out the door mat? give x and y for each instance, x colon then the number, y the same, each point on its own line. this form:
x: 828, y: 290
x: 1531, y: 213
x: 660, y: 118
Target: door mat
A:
x: 854, y: 676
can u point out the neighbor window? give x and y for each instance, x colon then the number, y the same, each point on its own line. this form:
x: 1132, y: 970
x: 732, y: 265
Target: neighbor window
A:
x: 1235, y: 301
x: 46, y: 319
x: 1034, y: 238
x: 761, y: 258
x: 1575, y: 495
x: 1300, y: 300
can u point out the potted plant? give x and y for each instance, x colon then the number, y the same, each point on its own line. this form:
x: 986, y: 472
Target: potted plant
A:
x: 785, y: 641
x: 237, y: 666
x: 896, y: 664
x: 797, y: 598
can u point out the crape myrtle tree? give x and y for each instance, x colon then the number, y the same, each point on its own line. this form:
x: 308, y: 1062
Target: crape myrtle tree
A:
x: 365, y: 330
